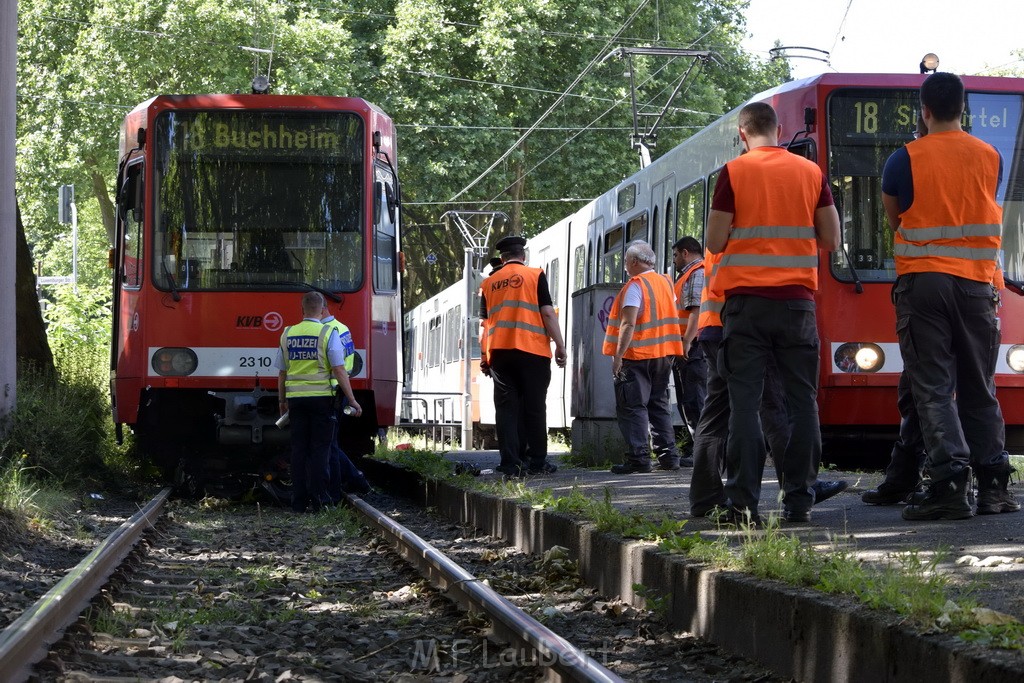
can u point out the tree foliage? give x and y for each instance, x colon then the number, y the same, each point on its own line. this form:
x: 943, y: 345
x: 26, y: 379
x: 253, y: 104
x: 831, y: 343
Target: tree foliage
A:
x: 463, y: 79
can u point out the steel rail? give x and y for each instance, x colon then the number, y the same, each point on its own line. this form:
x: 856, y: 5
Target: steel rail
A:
x: 25, y: 641
x: 563, y: 660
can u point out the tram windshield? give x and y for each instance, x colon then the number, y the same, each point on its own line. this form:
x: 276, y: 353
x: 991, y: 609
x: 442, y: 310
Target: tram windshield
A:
x: 866, y: 126
x: 258, y: 200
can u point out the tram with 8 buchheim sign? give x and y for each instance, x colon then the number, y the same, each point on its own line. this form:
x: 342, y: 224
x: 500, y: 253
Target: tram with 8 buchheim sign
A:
x: 848, y: 124
x: 228, y: 209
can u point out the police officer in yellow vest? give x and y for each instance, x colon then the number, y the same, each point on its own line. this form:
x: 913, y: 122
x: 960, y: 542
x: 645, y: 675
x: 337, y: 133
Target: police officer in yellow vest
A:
x: 643, y: 339
x: 345, y: 476
x: 771, y: 213
x: 940, y: 195
x: 520, y: 325
x: 310, y: 354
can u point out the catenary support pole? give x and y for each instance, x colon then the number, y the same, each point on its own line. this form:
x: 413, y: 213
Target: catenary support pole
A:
x: 8, y: 221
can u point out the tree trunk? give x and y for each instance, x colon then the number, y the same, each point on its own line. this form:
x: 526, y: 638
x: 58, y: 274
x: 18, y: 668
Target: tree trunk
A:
x: 99, y: 189
x: 32, y: 344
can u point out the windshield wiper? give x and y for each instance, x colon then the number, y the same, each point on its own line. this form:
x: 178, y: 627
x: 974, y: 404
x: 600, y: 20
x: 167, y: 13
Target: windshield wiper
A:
x: 296, y: 283
x: 170, y: 282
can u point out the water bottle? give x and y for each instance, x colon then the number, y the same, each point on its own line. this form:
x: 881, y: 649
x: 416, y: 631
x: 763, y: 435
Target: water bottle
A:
x: 282, y: 421
x: 349, y: 410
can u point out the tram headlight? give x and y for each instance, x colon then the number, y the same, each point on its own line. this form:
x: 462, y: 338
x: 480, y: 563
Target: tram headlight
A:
x: 859, y: 357
x: 1015, y: 358
x: 175, y: 362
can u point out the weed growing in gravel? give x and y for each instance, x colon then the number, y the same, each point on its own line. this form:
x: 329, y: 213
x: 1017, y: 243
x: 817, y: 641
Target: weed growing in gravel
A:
x: 112, y: 621
x: 657, y: 603
x: 701, y: 549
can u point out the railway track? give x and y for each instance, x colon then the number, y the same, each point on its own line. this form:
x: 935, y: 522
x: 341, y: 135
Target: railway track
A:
x: 248, y: 593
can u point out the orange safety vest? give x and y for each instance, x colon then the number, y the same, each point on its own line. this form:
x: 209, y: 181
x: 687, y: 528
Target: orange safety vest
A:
x: 712, y: 301
x: 955, y: 232
x: 773, y: 241
x: 656, y: 334
x: 513, y: 311
x: 681, y: 283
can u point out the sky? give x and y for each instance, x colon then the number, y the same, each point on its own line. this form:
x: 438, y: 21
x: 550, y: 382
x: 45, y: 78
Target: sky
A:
x: 890, y: 36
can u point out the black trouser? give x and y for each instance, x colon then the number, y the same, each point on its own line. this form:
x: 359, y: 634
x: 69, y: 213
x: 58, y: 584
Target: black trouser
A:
x: 521, y: 382
x: 312, y: 429
x: 908, y: 454
x: 706, y: 490
x: 949, y: 340
x: 691, y: 379
x: 755, y: 330
x: 644, y: 411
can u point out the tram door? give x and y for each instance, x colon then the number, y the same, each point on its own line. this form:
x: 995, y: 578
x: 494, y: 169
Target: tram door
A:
x: 661, y: 221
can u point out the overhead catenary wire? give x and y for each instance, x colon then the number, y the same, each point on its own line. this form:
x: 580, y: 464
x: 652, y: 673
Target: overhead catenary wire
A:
x: 594, y: 62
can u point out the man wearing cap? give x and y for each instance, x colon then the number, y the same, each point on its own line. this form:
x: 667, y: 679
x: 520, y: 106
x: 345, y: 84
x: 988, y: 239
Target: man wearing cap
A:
x: 520, y: 324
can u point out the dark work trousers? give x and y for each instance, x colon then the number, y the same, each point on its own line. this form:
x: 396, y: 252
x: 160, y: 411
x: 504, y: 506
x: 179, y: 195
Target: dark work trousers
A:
x: 706, y: 489
x: 345, y: 476
x: 906, y: 463
x: 691, y: 379
x: 644, y: 411
x: 949, y: 340
x: 755, y: 330
x: 312, y: 424
x: 521, y: 382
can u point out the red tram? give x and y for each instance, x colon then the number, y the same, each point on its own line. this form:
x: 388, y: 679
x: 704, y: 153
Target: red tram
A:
x: 849, y: 124
x: 228, y: 208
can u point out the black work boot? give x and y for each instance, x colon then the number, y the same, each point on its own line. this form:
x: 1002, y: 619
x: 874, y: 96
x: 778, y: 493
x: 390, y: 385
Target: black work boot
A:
x: 993, y: 491
x: 888, y: 494
x: 946, y: 499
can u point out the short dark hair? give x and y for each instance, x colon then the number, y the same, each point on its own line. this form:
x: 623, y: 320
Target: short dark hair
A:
x: 759, y: 118
x: 943, y: 94
x: 690, y: 244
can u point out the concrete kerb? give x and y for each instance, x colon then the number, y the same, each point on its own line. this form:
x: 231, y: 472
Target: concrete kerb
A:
x: 795, y: 632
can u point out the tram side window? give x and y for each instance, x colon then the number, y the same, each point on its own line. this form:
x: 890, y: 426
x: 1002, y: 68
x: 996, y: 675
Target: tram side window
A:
x: 385, y: 242
x: 434, y: 342
x: 131, y: 202
x: 612, y: 261
x: 579, y: 268
x: 453, y: 335
x: 552, y: 274
x: 637, y: 228
x: 690, y: 212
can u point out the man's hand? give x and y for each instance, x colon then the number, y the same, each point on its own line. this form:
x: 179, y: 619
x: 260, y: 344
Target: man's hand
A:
x: 616, y: 367
x: 560, y: 357
x: 485, y: 368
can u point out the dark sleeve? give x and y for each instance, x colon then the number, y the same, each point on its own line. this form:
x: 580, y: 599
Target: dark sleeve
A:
x: 723, y: 199
x: 825, y: 198
x: 543, y: 293
x: 483, y: 307
x: 897, y: 180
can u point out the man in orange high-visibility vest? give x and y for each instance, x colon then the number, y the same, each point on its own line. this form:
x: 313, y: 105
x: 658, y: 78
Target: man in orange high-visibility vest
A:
x: 643, y: 340
x: 940, y: 194
x: 520, y: 325
x: 771, y: 213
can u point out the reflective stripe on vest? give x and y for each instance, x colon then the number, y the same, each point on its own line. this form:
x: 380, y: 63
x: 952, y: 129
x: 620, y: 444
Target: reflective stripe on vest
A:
x: 711, y: 301
x: 772, y: 242
x: 954, y: 224
x: 656, y: 333
x: 304, y: 347
x: 514, y: 320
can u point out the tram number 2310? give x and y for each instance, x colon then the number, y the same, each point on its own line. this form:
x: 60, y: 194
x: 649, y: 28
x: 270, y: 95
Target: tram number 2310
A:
x: 255, y: 361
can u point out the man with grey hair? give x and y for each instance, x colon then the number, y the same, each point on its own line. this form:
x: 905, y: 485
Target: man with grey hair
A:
x: 643, y: 339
